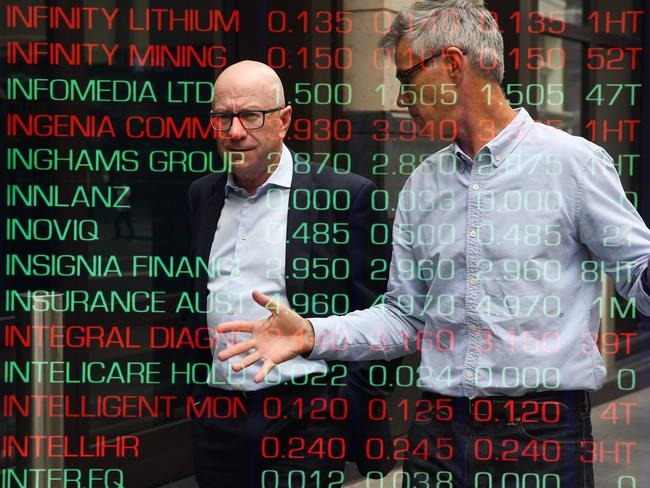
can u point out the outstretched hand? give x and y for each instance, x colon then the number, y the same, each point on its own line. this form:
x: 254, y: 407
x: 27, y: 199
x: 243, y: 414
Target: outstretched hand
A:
x: 282, y: 336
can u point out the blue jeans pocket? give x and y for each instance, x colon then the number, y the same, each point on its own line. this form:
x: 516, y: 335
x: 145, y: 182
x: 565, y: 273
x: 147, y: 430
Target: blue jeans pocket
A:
x: 569, y: 427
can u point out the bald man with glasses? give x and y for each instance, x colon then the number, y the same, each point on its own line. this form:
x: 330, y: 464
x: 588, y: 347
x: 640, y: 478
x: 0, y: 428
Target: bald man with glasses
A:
x: 266, y: 222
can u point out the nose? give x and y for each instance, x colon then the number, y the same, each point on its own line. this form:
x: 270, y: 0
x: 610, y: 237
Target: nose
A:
x: 404, y: 98
x: 237, y: 130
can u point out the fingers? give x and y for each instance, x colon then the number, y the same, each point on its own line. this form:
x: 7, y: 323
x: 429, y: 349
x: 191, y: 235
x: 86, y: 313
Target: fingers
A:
x: 266, y: 302
x: 240, y: 348
x: 266, y: 369
x: 247, y: 361
x: 237, y: 326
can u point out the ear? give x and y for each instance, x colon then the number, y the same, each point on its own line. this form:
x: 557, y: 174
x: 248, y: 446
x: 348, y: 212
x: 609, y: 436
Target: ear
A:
x: 454, y: 58
x: 285, y: 121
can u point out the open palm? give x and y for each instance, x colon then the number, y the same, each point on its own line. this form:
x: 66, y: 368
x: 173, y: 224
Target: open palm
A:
x: 282, y: 336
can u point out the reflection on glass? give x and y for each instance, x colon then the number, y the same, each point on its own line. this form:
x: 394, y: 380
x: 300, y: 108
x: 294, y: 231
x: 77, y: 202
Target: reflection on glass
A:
x: 562, y: 87
x: 8, y: 424
x: 568, y: 10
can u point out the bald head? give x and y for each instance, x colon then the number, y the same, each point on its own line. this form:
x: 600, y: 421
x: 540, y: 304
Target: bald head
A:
x: 248, y: 79
x: 252, y: 144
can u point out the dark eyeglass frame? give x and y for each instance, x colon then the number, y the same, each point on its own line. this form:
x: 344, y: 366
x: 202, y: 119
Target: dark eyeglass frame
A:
x: 238, y: 115
x: 403, y: 76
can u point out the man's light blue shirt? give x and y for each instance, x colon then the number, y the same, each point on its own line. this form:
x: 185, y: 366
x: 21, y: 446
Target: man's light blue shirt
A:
x: 495, y: 268
x: 249, y: 252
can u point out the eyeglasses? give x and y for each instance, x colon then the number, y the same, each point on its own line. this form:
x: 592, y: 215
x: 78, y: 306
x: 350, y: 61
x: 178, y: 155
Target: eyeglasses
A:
x: 250, y: 119
x: 403, y: 76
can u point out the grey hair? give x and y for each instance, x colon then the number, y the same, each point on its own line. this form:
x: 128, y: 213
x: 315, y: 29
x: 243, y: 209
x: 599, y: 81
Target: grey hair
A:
x: 431, y: 25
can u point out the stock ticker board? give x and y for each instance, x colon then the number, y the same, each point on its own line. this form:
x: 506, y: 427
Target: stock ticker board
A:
x: 114, y: 280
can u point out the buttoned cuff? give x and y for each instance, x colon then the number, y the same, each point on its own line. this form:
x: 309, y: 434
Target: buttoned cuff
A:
x: 321, y: 330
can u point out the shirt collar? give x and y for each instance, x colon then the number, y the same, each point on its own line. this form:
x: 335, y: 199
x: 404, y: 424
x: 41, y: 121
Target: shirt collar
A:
x: 505, y: 142
x: 281, y: 176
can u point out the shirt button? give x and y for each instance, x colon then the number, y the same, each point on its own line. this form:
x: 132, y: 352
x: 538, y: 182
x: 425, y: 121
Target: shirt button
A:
x: 251, y: 200
x: 473, y: 280
x: 231, y: 311
x: 471, y: 327
x: 476, y: 187
x: 469, y: 373
x: 473, y: 233
x: 243, y: 237
x: 498, y: 158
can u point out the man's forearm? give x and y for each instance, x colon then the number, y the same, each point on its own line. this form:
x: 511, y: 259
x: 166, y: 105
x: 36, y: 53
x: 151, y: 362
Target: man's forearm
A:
x: 380, y: 332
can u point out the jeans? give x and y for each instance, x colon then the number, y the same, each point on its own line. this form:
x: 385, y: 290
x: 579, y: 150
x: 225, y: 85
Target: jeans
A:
x: 539, y: 440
